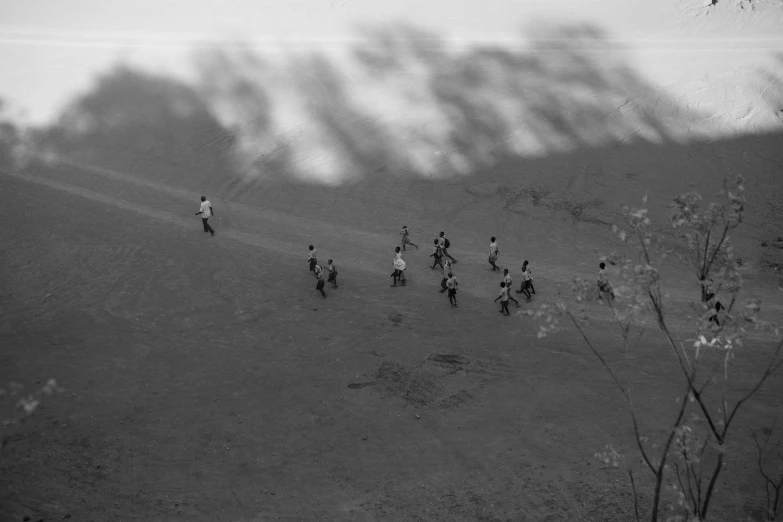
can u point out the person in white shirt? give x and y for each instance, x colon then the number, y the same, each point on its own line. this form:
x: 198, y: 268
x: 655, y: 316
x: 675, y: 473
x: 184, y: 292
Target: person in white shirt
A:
x: 527, y: 282
x: 206, y: 212
x: 451, y: 283
x: 332, y: 269
x: 406, y: 238
x: 446, y: 272
x: 319, y: 277
x: 503, y: 296
x: 526, y: 268
x: 399, y: 267
x: 444, y: 245
x: 493, y: 253
x: 437, y: 254
x: 311, y: 259
x: 509, y: 282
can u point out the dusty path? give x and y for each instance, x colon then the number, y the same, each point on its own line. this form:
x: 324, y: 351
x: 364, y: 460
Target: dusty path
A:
x: 287, y: 235
x: 205, y: 374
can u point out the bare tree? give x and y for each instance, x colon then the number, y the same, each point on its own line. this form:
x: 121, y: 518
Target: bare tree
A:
x: 696, y: 453
x: 773, y: 480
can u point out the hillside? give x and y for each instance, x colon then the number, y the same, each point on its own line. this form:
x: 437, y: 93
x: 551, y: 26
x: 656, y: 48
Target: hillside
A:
x: 205, y: 379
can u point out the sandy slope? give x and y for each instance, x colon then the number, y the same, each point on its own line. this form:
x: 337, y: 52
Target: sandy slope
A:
x: 199, y: 384
x: 207, y: 380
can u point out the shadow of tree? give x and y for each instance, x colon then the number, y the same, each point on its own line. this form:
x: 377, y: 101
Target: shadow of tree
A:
x: 406, y: 125
x: 9, y: 137
x: 771, y: 79
x: 403, y: 104
x: 571, y: 87
x: 406, y: 118
x: 146, y: 125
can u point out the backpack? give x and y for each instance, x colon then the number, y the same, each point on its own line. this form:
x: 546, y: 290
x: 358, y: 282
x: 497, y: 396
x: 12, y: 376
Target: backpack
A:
x: 446, y: 242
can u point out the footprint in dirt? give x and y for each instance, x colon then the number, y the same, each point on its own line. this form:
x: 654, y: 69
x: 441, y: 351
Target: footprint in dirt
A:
x: 357, y: 385
x: 448, y: 358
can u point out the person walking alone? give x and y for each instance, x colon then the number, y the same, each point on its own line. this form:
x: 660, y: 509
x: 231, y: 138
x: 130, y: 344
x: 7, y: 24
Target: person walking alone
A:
x: 399, y: 267
x: 493, y: 253
x: 206, y: 212
x: 451, y: 284
x: 406, y: 238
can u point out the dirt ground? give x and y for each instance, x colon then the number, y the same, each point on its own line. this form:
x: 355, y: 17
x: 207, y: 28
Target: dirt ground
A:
x: 206, y: 379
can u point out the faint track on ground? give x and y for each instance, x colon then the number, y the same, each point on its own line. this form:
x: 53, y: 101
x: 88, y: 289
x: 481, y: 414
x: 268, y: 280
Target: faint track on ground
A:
x: 358, y: 250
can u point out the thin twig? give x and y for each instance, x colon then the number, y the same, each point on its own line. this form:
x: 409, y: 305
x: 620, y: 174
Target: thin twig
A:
x: 664, y: 455
x: 708, y: 494
x: 717, y: 248
x: 598, y: 355
x: 772, y: 367
x: 635, y: 496
x: 703, y: 273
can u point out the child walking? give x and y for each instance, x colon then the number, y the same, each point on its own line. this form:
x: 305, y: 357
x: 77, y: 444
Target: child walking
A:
x: 319, y: 276
x: 507, y: 280
x: 437, y: 253
x: 451, y: 283
x: 493, y: 253
x: 406, y: 240
x: 311, y: 258
x: 526, y: 282
x: 206, y: 212
x: 332, y: 269
x: 503, y: 296
x: 526, y: 268
x: 444, y: 244
x: 399, y: 268
x: 446, y: 272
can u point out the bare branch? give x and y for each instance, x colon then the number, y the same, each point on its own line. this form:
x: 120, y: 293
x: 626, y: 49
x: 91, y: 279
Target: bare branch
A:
x: 638, y: 438
x: 708, y: 494
x: 717, y: 247
x: 696, y: 394
x: 665, y: 453
x: 679, y: 481
x: 774, y: 363
x: 760, y: 449
x: 635, y: 495
x: 703, y: 270
x: 598, y: 355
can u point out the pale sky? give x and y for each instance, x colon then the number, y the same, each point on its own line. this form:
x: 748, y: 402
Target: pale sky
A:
x: 51, y: 49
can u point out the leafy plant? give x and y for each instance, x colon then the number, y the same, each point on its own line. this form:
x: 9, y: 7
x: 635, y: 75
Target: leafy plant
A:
x: 692, y: 452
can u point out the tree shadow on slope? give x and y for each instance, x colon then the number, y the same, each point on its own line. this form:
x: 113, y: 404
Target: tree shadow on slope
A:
x: 407, y: 110
x: 772, y: 87
x: 571, y: 86
x: 144, y: 125
x: 405, y: 124
x: 9, y: 138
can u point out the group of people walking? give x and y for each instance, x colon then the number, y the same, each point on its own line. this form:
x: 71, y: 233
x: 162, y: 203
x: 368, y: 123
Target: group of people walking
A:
x: 318, y: 271
x: 442, y: 258
x: 449, y: 283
